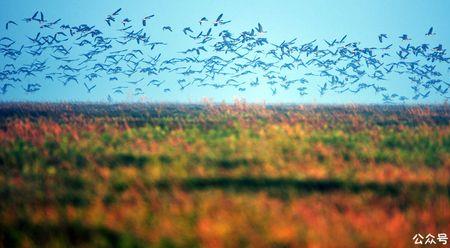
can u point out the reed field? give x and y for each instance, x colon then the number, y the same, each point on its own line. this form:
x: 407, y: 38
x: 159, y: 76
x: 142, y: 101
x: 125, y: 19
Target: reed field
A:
x: 219, y: 175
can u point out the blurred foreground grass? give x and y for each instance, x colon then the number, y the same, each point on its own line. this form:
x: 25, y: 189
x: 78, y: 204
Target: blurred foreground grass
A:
x: 237, y: 175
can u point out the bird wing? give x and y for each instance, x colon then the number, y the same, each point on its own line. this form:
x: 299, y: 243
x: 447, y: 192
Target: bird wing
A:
x: 117, y: 11
x: 35, y: 14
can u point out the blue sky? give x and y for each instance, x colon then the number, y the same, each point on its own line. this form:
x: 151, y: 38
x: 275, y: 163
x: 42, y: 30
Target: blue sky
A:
x: 284, y: 20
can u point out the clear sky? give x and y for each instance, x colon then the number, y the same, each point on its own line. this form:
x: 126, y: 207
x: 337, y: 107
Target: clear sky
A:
x: 361, y: 20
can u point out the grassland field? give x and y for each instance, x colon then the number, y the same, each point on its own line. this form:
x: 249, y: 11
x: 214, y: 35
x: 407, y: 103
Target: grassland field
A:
x: 217, y: 175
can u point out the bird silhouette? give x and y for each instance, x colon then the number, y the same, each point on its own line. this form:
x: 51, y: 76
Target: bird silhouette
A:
x: 7, y: 25
x: 144, y: 20
x: 381, y: 37
x: 430, y: 32
x: 132, y: 61
x: 168, y: 28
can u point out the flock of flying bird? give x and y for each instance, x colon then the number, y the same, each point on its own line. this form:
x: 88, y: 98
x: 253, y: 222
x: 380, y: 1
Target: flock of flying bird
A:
x: 131, y: 62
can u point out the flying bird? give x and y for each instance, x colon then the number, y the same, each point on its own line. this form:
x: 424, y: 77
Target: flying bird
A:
x: 404, y: 37
x: 430, y: 32
x: 218, y: 20
x: 116, y: 12
x: 381, y: 37
x: 125, y: 21
x: 110, y: 18
x: 4, y: 88
x: 41, y: 17
x: 32, y: 88
x: 204, y: 19
x: 260, y: 29
x: 186, y: 30
x: 10, y: 23
x: 274, y: 91
x: 29, y: 19
x: 144, y: 20
x: 89, y: 89
x: 438, y: 48
x: 168, y: 28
